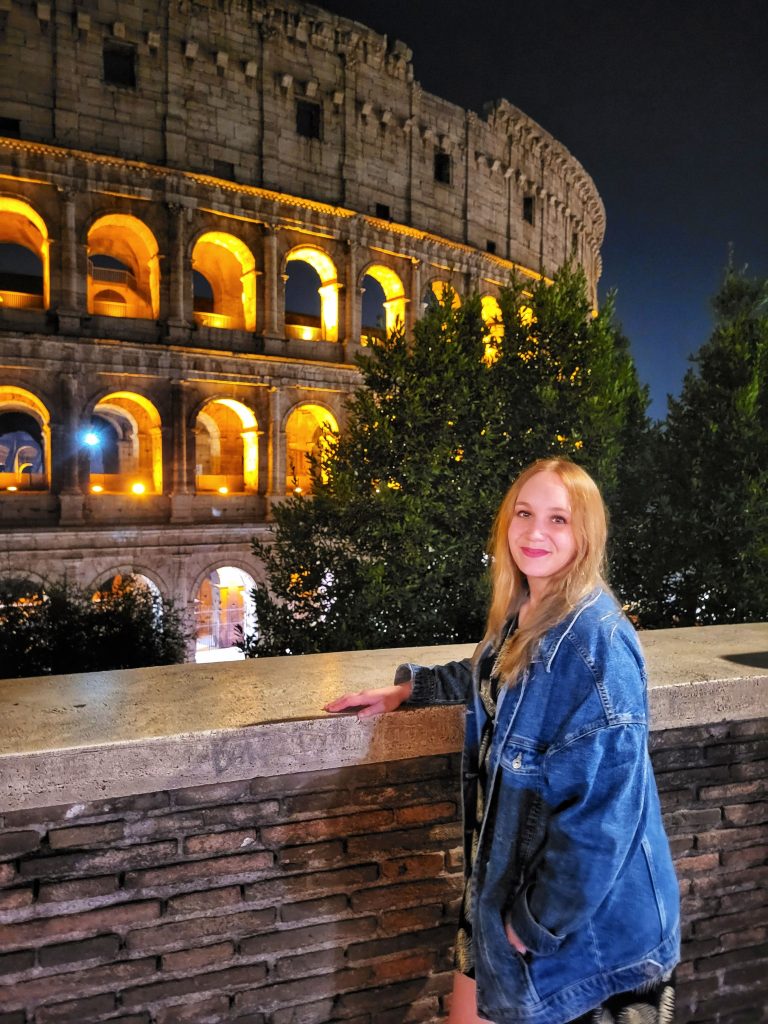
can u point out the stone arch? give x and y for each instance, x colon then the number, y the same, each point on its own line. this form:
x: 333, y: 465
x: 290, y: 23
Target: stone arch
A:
x: 328, y: 327
x: 435, y: 289
x: 132, y: 569
x: 394, y: 297
x: 304, y: 425
x: 221, y: 600
x: 123, y: 259
x: 138, y: 431
x: 25, y: 404
x: 226, y: 447
x: 229, y: 266
x: 21, y: 225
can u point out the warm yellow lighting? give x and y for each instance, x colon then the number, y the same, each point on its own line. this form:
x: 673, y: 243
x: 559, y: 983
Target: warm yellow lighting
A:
x: 129, y: 240
x: 138, y: 488
x: 394, y: 294
x: 324, y: 266
x: 23, y: 225
x: 439, y: 288
x: 526, y: 316
x: 491, y: 314
x: 298, y: 490
x: 12, y: 488
x: 229, y: 266
x: 97, y: 489
x: 223, y: 490
x: 305, y: 436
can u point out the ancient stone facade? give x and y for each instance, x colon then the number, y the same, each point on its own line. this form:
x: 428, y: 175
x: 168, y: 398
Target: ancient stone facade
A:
x: 165, y: 174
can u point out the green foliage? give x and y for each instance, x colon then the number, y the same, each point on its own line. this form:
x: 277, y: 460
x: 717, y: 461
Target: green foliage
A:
x: 710, y: 552
x: 391, y: 550
x: 56, y: 628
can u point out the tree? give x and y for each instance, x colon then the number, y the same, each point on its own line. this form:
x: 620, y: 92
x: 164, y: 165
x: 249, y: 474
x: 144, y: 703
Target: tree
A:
x: 712, y: 526
x: 391, y: 548
x: 56, y: 627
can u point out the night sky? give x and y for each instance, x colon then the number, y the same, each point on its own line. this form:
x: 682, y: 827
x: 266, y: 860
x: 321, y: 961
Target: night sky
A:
x: 664, y: 103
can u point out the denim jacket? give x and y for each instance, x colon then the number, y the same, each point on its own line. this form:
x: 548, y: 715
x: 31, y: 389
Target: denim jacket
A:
x: 577, y: 859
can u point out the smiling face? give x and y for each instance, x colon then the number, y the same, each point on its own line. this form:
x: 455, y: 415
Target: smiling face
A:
x: 540, y: 535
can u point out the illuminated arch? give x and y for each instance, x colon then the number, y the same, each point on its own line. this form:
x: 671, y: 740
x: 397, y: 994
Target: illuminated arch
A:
x: 491, y: 313
x: 21, y: 225
x: 228, y: 266
x: 328, y: 291
x: 129, y: 242
x: 226, y: 447
x: 394, y: 295
x: 304, y: 430
x: 436, y: 290
x: 148, y: 577
x: 139, y: 456
x: 222, y: 602
x: 19, y: 400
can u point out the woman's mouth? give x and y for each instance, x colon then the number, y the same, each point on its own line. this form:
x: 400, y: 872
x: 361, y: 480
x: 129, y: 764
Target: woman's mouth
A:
x: 534, y: 552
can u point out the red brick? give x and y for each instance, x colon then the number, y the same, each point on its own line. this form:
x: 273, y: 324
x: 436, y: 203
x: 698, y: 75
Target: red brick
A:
x: 333, y: 933
x: 408, y: 966
x: 427, y: 865
x: 693, y: 865
x: 82, y: 836
x: 228, y: 979
x: 695, y: 819
x: 744, y: 858
x: 295, y: 887
x: 78, y: 889
x: 746, y: 814
x: 242, y: 814
x: 403, y: 842
x: 7, y: 873
x: 202, y: 956
x: 212, y: 1008
x: 101, y: 948
x: 107, y: 977
x: 378, y: 999
x: 325, y: 828
x: 313, y: 855
x: 729, y: 838
x: 209, y: 899
x: 219, y: 842
x: 391, y: 896
x: 430, y: 939
x: 16, y: 844
x: 412, y: 919
x: 11, y: 963
x: 733, y: 790
x: 164, y: 826
x: 76, y: 1010
x: 271, y: 997
x: 15, y: 899
x: 423, y: 813
x: 49, y: 929
x: 99, y: 863
x: 309, y: 909
x: 218, y: 793
x: 309, y: 1013
x: 200, y: 870
x: 326, y: 960
x: 166, y: 936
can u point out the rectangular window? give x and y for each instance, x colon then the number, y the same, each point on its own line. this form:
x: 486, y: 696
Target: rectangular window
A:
x: 10, y: 127
x: 382, y: 211
x: 443, y: 168
x: 308, y: 119
x: 224, y: 169
x: 575, y: 242
x: 120, y: 64
x: 529, y: 209
x: 490, y: 247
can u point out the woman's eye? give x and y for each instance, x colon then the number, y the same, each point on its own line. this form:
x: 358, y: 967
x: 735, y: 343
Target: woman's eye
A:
x: 560, y: 520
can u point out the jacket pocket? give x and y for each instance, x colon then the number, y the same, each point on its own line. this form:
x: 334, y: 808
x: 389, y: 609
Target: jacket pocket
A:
x: 654, y: 883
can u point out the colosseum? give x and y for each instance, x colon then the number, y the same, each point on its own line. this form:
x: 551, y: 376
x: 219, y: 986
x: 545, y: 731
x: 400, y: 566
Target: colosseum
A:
x: 206, y: 209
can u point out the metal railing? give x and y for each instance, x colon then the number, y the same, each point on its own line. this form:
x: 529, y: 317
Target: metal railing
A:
x: 20, y: 300
x: 204, y: 319
x: 112, y: 275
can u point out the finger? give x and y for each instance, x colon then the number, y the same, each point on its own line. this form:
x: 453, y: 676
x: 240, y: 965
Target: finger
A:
x: 347, y: 701
x: 514, y: 940
x: 373, y: 709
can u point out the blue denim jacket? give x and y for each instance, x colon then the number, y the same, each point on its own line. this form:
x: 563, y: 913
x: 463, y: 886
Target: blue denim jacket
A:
x: 577, y: 860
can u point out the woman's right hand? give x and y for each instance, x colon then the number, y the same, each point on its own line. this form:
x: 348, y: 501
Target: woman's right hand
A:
x: 372, y: 702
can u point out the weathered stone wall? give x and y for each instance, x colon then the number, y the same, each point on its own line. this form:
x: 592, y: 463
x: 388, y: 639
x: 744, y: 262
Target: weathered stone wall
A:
x: 218, y: 86
x: 332, y: 895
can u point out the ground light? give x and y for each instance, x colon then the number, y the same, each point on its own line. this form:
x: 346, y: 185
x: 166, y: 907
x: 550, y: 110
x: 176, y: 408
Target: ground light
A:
x: 138, y: 488
x: 96, y: 489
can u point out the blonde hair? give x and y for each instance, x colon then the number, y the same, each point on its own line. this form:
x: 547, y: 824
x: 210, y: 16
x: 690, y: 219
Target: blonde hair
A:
x: 566, y: 588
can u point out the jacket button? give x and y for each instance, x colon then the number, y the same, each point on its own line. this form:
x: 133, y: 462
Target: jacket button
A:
x: 517, y: 763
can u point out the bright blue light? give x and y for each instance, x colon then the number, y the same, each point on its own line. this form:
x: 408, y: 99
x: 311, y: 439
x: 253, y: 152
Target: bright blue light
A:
x: 92, y: 439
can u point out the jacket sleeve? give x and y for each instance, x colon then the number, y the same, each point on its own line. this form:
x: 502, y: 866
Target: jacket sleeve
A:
x: 595, y: 787
x: 441, y: 684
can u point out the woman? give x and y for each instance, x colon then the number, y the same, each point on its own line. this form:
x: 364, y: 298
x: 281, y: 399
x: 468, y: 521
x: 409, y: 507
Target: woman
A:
x: 571, y: 907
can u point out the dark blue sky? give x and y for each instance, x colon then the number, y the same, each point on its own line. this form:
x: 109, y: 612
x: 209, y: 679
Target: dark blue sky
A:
x: 664, y: 102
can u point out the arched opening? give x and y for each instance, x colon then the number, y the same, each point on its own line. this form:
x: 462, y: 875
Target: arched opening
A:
x: 305, y: 430
x: 124, y: 445
x: 114, y: 584
x: 123, y: 268
x: 383, y: 303
x: 25, y: 441
x: 491, y: 314
x: 226, y: 448
x: 224, y: 282
x: 24, y: 257
x: 435, y: 292
x: 222, y: 604
x: 310, y: 275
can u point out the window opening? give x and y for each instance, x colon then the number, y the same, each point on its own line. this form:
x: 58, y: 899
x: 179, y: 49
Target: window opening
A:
x: 443, y: 168
x: 382, y: 211
x: 10, y: 127
x: 120, y: 64
x: 308, y: 119
x: 528, y: 209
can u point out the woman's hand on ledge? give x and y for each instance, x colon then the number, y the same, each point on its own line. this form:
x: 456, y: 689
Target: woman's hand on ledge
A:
x: 371, y: 702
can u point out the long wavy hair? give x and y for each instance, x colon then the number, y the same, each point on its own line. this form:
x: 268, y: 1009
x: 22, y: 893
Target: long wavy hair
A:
x: 566, y: 588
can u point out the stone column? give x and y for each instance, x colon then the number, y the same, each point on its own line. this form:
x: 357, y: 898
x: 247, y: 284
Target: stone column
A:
x: 178, y: 320
x: 353, y: 313
x: 181, y: 495
x: 68, y: 456
x: 272, y: 317
x: 277, y: 453
x: 69, y: 293
x: 413, y: 308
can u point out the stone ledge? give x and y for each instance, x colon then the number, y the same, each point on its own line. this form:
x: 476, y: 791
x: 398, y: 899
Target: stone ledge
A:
x: 70, y: 739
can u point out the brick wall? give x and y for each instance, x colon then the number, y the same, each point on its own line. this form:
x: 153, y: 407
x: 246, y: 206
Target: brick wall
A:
x: 331, y: 896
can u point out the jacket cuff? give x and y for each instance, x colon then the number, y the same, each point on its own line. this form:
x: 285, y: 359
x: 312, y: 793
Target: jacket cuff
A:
x: 421, y: 680
x: 534, y: 936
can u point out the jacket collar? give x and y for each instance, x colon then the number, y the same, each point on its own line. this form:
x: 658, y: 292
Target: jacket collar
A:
x: 550, y: 642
